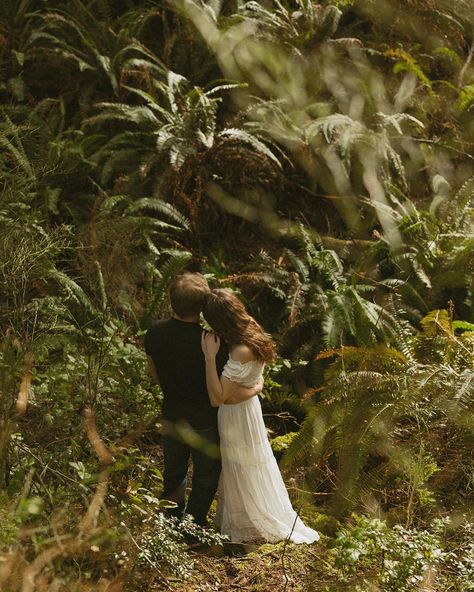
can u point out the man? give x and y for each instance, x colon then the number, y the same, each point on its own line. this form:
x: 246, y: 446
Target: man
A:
x: 176, y: 361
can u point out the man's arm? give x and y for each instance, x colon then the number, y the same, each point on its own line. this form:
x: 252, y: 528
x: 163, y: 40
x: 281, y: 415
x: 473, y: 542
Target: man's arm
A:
x: 243, y: 393
x: 152, y: 370
x: 222, y: 390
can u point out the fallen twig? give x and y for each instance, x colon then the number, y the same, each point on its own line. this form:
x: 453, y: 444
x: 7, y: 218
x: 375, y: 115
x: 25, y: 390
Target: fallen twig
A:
x: 282, y: 557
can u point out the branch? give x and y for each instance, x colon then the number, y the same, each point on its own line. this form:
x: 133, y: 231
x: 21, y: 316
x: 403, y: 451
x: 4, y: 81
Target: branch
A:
x: 89, y: 520
x: 104, y: 454
x: 25, y: 386
x: 74, y: 545
x: 10, y: 565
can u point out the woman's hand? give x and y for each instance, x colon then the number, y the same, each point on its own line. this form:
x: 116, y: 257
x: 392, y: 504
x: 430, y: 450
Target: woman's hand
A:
x: 210, y: 344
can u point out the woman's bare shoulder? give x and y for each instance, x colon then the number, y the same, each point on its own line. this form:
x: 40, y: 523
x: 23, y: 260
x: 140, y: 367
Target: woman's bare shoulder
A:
x: 242, y: 353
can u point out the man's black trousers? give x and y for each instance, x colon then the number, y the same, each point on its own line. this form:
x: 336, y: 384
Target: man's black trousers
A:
x: 180, y: 443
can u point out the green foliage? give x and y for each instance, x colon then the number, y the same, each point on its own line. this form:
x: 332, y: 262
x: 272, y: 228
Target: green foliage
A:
x: 407, y: 63
x: 173, y: 265
x: 163, y: 541
x: 350, y: 137
x: 301, y: 28
x: 369, y: 394
x: 281, y: 443
x: 466, y: 99
x: 76, y: 37
x: 368, y: 552
x: 124, y: 395
x: 407, y: 556
x: 433, y: 263
x: 8, y: 525
x: 317, y: 289
x: 175, y: 122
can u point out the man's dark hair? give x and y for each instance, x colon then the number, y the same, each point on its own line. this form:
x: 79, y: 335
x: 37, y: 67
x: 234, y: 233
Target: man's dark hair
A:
x: 187, y: 294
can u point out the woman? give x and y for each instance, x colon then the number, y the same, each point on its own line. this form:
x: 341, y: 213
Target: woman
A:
x: 253, y: 503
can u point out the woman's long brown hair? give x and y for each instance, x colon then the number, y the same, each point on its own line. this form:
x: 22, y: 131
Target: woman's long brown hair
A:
x: 228, y: 318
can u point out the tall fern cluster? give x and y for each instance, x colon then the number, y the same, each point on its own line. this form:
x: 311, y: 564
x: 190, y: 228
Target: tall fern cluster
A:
x: 392, y: 431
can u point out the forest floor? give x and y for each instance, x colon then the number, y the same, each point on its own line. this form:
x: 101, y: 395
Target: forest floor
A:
x: 269, y: 568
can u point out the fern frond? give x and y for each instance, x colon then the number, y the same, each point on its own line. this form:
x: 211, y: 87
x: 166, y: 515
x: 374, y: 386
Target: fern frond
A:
x: 161, y: 207
x: 328, y: 21
x: 329, y: 125
x: 464, y: 394
x: 330, y: 266
x: 74, y: 290
x: 465, y: 100
x: 15, y: 147
x: 464, y: 202
x: 395, y: 119
x: 407, y: 63
x: 137, y: 115
x: 173, y: 265
x: 303, y: 444
x: 243, y: 136
x: 111, y: 201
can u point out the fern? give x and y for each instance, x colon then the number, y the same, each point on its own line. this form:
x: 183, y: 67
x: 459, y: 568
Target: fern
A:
x: 463, y: 204
x: 75, y: 291
x: 368, y: 401
x: 330, y: 124
x: 297, y: 29
x: 246, y: 138
x: 465, y: 99
x: 10, y: 140
x: 396, y: 118
x: 353, y: 138
x: 464, y: 393
x: 173, y: 265
x: 303, y: 445
x: 407, y: 63
x: 137, y: 115
x: 174, y: 123
x: 330, y: 266
x: 76, y: 36
x: 160, y: 207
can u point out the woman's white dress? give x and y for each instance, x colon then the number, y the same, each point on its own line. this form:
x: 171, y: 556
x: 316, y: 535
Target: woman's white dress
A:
x: 253, y: 502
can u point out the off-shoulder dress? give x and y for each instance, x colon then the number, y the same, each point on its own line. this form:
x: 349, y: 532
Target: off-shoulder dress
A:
x: 253, y: 502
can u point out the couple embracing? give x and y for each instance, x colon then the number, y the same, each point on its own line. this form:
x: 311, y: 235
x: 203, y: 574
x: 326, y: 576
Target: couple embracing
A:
x: 211, y: 413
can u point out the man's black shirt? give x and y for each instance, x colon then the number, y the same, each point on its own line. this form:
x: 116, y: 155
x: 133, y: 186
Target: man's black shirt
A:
x: 175, y: 348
